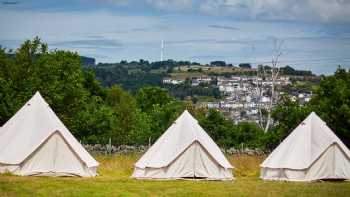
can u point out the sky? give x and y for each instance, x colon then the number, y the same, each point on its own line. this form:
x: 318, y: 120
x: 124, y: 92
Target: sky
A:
x: 314, y: 34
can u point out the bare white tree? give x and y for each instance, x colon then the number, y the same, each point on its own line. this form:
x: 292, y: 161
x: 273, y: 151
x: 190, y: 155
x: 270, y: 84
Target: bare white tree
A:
x: 259, y: 93
x: 273, y: 74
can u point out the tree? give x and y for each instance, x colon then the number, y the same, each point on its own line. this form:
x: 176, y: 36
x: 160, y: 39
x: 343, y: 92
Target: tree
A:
x: 216, y: 125
x: 131, y: 125
x: 161, y: 108
x: 288, y: 114
x: 97, y: 122
x: 92, y: 84
x: 73, y: 94
x: 149, y: 96
x: 218, y: 63
x: 245, y: 65
x: 227, y: 134
x: 273, y: 73
x: 331, y: 101
x: 287, y: 70
x: 56, y: 74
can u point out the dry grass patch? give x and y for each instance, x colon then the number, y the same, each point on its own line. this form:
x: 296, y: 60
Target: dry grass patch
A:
x: 245, y: 165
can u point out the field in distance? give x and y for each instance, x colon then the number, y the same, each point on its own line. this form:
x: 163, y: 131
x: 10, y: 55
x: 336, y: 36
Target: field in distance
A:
x: 183, y: 72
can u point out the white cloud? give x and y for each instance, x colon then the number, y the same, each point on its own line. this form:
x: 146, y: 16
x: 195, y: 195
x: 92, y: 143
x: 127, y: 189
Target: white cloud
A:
x: 171, y: 4
x: 113, y: 2
x: 293, y: 10
x: 300, y: 10
x: 331, y: 10
x: 110, y: 35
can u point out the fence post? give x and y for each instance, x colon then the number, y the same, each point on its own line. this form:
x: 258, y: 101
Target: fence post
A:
x: 109, y: 146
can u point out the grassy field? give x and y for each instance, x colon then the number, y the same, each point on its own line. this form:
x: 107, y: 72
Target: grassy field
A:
x: 114, y: 181
x: 205, y: 71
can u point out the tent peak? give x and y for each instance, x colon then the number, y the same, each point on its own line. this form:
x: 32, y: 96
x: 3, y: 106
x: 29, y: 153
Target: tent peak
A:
x: 313, y: 114
x: 186, y: 111
x: 314, y: 117
x: 37, y: 99
x: 37, y: 94
x: 186, y: 115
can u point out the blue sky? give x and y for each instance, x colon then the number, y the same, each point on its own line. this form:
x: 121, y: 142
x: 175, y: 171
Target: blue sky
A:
x: 315, y: 33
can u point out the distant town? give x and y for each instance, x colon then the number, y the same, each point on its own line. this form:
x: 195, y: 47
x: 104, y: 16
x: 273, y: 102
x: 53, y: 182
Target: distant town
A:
x: 243, y: 96
x: 239, y: 92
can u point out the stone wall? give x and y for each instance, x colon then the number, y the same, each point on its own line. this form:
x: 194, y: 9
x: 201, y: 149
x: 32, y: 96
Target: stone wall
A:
x: 126, y: 149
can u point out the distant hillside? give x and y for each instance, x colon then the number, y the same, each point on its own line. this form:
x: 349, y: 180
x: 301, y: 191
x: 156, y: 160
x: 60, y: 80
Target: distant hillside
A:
x: 130, y: 75
x: 287, y: 70
x: 135, y: 74
x: 87, y: 61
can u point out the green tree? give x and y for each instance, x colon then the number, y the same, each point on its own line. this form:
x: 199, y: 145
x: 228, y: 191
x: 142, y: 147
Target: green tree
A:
x: 97, y: 122
x: 131, y: 125
x: 58, y: 75
x: 92, y: 84
x: 288, y: 115
x: 332, y: 103
x: 215, y: 124
x: 161, y: 108
x: 149, y: 96
x: 227, y: 134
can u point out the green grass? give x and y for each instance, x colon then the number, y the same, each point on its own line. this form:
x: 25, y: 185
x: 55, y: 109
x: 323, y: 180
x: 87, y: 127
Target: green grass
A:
x: 114, y: 181
x: 184, y: 75
x: 207, y: 99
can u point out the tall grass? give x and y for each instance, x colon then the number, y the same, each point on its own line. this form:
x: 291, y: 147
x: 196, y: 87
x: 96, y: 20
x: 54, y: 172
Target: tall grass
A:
x: 246, y: 165
x: 123, y: 164
x: 114, y: 180
x: 119, y: 165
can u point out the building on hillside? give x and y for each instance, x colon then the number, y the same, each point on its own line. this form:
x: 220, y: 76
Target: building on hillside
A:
x: 195, y: 82
x: 169, y: 80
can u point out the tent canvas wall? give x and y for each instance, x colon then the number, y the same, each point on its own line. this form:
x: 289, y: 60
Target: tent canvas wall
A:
x: 311, y: 152
x: 185, y: 150
x: 35, y: 142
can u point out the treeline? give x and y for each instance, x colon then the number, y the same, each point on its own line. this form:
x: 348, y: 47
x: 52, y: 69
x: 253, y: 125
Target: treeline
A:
x: 147, y: 66
x: 287, y: 70
x: 87, y: 61
x: 94, y: 113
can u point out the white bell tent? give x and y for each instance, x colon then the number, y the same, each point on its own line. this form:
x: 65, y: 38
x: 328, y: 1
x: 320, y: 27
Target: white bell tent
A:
x: 35, y: 142
x: 185, y: 150
x: 311, y: 152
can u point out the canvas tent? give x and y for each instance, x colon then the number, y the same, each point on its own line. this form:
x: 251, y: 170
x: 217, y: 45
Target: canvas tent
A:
x: 185, y: 150
x: 311, y: 152
x: 35, y: 142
